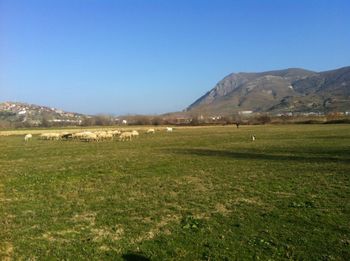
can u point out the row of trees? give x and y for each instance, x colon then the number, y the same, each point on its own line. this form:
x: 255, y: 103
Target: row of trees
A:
x: 105, y: 120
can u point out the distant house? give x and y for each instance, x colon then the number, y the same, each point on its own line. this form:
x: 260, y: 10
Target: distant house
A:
x: 183, y: 120
x: 245, y: 112
x: 285, y: 114
x: 215, y: 118
x: 22, y: 112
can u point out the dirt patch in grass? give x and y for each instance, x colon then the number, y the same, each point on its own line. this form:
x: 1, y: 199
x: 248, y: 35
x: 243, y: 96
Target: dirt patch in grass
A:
x: 221, y: 208
x: 2, y: 199
x: 103, y: 233
x: 283, y: 194
x: 88, y: 217
x: 104, y: 248
x: 250, y: 201
x: 157, y: 228
x: 86, y: 222
x: 6, y: 251
x: 197, y: 183
x: 58, y: 236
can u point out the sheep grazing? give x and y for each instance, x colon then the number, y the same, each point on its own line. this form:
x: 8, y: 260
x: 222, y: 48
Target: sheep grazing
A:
x: 101, y: 135
x: 105, y: 136
x: 50, y: 136
x: 150, y: 131
x: 28, y: 137
x: 80, y: 135
x: 88, y: 136
x: 115, y: 132
x: 44, y: 136
x: 169, y: 129
x: 76, y: 135
x: 67, y: 136
x: 253, y: 138
x: 55, y: 136
x: 125, y: 136
x: 108, y: 131
x: 135, y: 133
x: 100, y: 132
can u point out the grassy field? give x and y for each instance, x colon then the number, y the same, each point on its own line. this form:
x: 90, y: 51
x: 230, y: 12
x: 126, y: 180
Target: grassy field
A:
x: 205, y: 193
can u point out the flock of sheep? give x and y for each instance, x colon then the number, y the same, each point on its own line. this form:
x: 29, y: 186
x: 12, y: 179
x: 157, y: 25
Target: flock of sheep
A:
x: 93, y: 136
x: 97, y: 135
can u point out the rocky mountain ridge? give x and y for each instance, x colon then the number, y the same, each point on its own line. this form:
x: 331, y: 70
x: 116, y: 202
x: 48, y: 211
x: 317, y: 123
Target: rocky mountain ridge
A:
x: 289, y: 90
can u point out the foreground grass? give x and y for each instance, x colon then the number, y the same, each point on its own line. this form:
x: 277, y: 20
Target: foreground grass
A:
x: 194, y: 194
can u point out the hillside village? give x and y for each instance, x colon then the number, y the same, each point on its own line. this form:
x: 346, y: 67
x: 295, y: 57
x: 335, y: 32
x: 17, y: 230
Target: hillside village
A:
x: 35, y: 115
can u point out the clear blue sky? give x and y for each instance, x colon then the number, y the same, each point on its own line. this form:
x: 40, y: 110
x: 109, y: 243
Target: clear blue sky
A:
x: 148, y: 56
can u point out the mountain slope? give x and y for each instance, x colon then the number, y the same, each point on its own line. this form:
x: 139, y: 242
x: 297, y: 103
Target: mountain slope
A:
x: 291, y: 89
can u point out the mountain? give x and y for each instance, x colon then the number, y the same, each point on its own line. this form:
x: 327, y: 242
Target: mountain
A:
x: 289, y: 90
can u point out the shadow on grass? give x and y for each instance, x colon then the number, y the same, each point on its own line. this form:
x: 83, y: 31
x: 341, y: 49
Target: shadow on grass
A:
x: 258, y: 156
x: 135, y: 257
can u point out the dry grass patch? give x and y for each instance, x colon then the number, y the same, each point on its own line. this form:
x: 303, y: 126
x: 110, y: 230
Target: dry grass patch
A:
x: 283, y: 194
x: 221, y: 208
x: 114, y: 234
x: 197, y: 183
x: 157, y: 228
x: 59, y: 236
x: 250, y: 201
x: 6, y: 251
x: 87, y: 217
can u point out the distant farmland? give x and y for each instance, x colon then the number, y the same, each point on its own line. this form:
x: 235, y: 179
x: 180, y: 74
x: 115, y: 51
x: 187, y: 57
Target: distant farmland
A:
x: 205, y: 193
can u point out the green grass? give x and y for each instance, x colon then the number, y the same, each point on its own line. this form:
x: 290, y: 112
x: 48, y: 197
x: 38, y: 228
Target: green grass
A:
x: 194, y: 194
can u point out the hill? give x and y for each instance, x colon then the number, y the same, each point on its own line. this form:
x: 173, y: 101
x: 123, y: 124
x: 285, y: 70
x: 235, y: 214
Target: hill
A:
x: 289, y: 90
x: 35, y: 115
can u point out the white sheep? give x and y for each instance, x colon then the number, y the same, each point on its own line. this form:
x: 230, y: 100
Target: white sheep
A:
x: 100, y: 135
x: 79, y: 135
x: 28, y: 137
x: 76, y: 135
x: 89, y: 137
x: 125, y: 136
x: 44, y: 136
x: 108, y: 131
x: 135, y: 133
x: 105, y: 136
x: 50, y: 136
x: 253, y: 138
x: 169, y: 129
x: 55, y: 136
x: 116, y: 132
x: 150, y: 131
